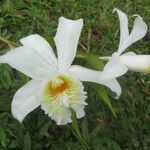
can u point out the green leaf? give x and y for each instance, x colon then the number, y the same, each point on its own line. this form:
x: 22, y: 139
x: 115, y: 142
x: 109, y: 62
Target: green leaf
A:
x: 22, y: 77
x: 2, y: 134
x: 6, y: 80
x: 76, y: 130
x: 5, y: 75
x: 75, y: 126
x: 94, y: 61
x: 95, y: 132
x: 105, y: 144
x: 43, y: 130
x: 102, y: 93
x: 85, y: 131
x: 27, y: 142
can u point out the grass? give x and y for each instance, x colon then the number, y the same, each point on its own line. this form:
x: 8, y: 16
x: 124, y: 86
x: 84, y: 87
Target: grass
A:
x: 98, y: 130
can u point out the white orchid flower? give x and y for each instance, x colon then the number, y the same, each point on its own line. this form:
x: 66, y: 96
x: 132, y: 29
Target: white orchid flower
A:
x: 56, y: 86
x: 120, y: 63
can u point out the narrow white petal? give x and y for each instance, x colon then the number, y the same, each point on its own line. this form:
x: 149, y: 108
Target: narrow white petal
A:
x: 66, y: 39
x: 84, y: 74
x: 138, y: 32
x: 124, y: 32
x: 113, y: 85
x: 42, y: 47
x: 131, y: 53
x: 29, y: 62
x: 138, y: 63
x: 25, y: 100
x: 114, y: 68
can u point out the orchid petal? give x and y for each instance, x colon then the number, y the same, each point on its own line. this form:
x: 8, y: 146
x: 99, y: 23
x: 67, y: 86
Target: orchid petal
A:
x: 113, y: 86
x: 29, y: 62
x: 124, y: 32
x: 131, y: 53
x: 66, y: 39
x: 25, y: 100
x: 114, y: 68
x: 138, y: 63
x: 85, y: 74
x: 42, y: 47
x: 138, y: 32
x: 79, y: 109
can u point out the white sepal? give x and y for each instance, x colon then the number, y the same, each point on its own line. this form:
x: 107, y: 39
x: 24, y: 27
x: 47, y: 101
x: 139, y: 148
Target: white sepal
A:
x: 113, y: 85
x: 42, y: 47
x: 138, y: 32
x: 25, y: 100
x: 66, y: 40
x: 29, y: 62
x: 138, y: 63
x: 114, y: 68
x: 124, y: 32
x: 84, y: 74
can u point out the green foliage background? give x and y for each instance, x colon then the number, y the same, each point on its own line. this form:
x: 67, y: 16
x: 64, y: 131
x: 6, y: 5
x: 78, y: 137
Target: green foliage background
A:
x: 99, y: 130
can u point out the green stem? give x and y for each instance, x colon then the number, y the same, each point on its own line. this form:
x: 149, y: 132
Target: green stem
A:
x: 9, y: 43
x: 76, y: 130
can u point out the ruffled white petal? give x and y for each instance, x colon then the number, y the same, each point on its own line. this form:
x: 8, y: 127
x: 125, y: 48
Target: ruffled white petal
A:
x: 65, y: 100
x: 29, y: 62
x: 57, y: 112
x: 138, y: 32
x: 84, y: 74
x: 114, y: 68
x: 25, y: 100
x: 42, y: 47
x: 139, y: 63
x: 57, y: 100
x: 124, y: 32
x: 66, y: 39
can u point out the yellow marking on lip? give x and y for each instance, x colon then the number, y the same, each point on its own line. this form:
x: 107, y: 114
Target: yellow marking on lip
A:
x: 148, y: 69
x: 59, y: 89
x: 57, y: 86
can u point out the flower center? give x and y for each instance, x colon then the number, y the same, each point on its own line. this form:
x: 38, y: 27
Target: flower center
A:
x: 58, y: 85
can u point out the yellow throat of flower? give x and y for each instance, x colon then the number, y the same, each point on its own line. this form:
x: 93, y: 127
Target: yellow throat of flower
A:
x: 148, y: 70
x: 57, y: 86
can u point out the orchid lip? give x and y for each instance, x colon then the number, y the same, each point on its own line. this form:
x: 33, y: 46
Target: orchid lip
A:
x: 58, y: 85
x: 60, y: 94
